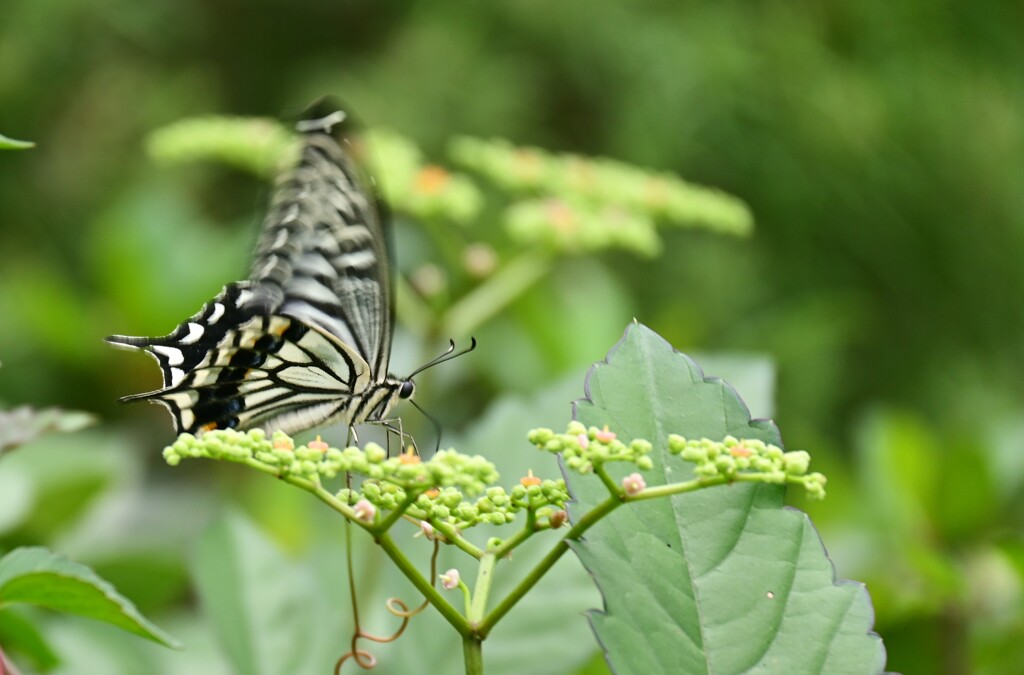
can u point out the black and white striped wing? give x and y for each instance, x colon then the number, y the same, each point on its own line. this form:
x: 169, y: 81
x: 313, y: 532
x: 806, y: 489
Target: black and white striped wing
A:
x: 323, y: 245
x: 306, y: 340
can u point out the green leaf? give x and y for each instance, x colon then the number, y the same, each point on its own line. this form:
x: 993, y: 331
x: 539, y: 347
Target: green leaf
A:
x: 255, y: 598
x: 722, y: 580
x: 37, y: 576
x: 12, y: 144
x: 20, y: 636
x: 25, y: 424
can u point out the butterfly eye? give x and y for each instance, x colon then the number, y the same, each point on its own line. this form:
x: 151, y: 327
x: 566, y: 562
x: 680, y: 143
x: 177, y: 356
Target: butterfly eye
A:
x: 407, y: 389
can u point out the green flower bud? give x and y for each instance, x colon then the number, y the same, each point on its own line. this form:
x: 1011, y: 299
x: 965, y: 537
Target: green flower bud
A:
x: 540, y: 437
x: 726, y: 464
x: 641, y: 447
x: 796, y: 463
x: 554, y: 445
x: 375, y: 454
x: 695, y: 453
x: 267, y: 458
x: 706, y: 470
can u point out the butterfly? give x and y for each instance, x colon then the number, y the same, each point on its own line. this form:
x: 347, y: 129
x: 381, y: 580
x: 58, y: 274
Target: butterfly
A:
x: 305, y: 340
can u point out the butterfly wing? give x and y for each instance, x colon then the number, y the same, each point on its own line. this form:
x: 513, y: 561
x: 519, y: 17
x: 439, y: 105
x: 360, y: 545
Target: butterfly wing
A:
x: 306, y: 340
x: 323, y: 243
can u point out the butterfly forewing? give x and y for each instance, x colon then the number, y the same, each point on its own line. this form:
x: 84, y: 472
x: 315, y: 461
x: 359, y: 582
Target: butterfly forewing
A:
x: 306, y: 339
x: 323, y: 244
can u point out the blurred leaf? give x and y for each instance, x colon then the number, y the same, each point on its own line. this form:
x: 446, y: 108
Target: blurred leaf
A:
x: 11, y: 144
x: 256, y: 599
x: 899, y: 472
x: 68, y: 473
x: 595, y: 666
x: 16, y: 498
x: 556, y: 328
x: 37, y: 576
x: 723, y: 579
x: 138, y: 538
x: 176, y: 256
x: 1007, y: 456
x: 53, y: 314
x: 19, y: 635
x: 25, y: 424
x: 90, y: 648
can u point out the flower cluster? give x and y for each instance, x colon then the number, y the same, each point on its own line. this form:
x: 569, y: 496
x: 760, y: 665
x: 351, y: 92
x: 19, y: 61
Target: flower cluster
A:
x: 647, y: 195
x: 253, y: 144
x: 434, y: 490
x: 584, y: 449
x: 417, y: 188
x: 732, y: 456
x: 317, y: 460
x: 448, y: 505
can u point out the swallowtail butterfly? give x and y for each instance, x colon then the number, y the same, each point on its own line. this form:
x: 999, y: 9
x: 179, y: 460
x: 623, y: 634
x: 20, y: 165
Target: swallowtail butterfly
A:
x: 305, y: 340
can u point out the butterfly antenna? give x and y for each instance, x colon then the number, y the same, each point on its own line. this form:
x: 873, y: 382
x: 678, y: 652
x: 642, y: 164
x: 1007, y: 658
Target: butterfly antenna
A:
x: 433, y: 422
x: 448, y: 355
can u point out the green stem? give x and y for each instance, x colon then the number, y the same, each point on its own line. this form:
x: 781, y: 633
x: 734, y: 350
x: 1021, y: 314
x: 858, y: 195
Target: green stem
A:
x: 386, y: 524
x: 458, y: 540
x: 423, y: 586
x: 512, y: 542
x: 535, y: 575
x: 496, y: 293
x: 607, y: 480
x: 472, y: 651
x: 694, y: 485
x: 482, y: 588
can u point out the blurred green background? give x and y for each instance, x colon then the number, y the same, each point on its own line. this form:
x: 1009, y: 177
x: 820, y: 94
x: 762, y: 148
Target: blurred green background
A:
x: 879, y: 145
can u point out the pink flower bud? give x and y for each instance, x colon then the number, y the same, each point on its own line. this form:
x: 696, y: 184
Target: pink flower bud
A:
x: 633, y: 484
x: 583, y: 441
x: 450, y: 579
x: 604, y: 435
x: 427, y: 530
x: 365, y: 511
x: 317, y: 445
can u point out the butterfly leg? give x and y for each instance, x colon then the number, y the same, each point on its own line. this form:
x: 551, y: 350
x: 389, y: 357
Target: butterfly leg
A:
x: 394, y: 426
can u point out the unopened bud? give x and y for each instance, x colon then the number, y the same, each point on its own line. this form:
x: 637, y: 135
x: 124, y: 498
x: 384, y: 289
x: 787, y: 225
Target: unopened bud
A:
x: 450, y: 579
x: 633, y: 484
x: 365, y: 511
